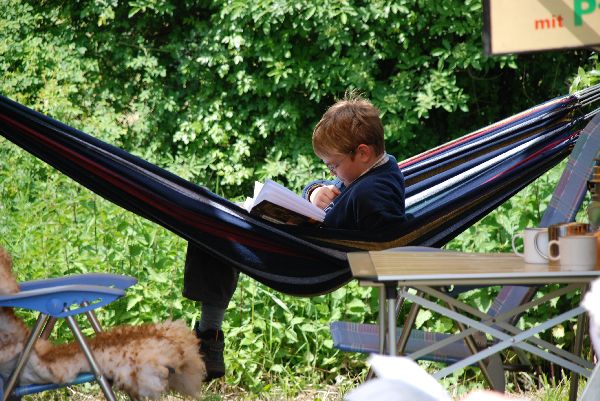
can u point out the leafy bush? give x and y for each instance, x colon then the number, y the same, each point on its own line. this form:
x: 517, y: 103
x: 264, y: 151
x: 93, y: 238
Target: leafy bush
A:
x: 587, y: 75
x: 225, y: 92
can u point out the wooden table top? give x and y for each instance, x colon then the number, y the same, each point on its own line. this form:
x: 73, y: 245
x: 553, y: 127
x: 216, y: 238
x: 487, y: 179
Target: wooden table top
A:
x: 444, y: 268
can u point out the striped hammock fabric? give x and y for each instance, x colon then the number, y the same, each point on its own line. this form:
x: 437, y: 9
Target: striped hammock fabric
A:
x: 448, y: 189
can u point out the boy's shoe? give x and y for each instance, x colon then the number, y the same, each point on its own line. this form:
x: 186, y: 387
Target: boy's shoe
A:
x: 212, y: 344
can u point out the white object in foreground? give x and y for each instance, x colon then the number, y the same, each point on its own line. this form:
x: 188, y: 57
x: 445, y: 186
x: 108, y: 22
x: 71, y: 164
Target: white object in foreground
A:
x: 591, y: 302
x: 398, y: 379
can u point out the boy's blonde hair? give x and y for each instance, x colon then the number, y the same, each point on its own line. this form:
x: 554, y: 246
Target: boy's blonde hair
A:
x: 350, y: 122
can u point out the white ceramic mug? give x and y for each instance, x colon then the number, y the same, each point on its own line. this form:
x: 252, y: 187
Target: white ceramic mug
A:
x: 575, y: 252
x: 535, y: 244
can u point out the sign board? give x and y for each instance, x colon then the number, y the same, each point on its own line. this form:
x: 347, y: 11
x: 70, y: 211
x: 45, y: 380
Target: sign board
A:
x: 517, y: 26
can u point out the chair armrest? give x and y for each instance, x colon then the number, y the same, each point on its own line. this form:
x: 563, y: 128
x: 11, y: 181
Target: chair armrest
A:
x: 104, y: 279
x: 62, y: 301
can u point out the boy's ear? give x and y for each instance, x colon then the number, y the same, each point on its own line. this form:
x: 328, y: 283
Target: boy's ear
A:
x: 364, y: 151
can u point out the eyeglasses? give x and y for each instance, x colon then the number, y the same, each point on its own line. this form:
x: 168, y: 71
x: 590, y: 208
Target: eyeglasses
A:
x: 334, y: 166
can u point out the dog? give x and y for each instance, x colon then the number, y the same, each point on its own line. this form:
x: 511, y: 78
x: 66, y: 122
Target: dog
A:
x: 143, y: 361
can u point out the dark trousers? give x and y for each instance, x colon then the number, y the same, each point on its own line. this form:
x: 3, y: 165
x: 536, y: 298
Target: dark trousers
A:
x: 207, y: 279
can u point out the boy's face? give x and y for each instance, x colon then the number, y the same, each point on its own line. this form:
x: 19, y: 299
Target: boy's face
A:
x: 348, y: 167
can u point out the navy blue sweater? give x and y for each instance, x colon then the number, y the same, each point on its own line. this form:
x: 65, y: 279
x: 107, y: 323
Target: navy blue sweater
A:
x: 374, y: 201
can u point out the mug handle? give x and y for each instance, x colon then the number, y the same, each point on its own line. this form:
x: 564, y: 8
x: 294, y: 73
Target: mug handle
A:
x: 557, y: 257
x: 514, y: 247
x: 537, y: 247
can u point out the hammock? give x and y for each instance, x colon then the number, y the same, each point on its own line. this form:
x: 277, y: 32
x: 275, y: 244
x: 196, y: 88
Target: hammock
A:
x: 448, y: 189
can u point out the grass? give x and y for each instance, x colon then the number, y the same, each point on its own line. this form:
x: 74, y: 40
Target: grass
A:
x: 529, y: 389
x: 560, y: 393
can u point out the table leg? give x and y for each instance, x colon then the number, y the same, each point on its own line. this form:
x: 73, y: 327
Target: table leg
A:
x: 592, y: 388
x: 408, y: 325
x: 495, y: 382
x: 499, y: 321
x: 518, y: 340
x: 382, y: 325
x: 391, y: 292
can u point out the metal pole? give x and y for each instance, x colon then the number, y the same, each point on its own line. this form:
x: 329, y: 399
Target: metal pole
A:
x: 382, y: 326
x: 391, y: 292
x: 470, y: 343
x: 400, y: 300
x: 91, y: 315
x: 35, y: 333
x: 381, y: 290
x: 592, y: 388
x: 499, y: 320
x: 48, y: 328
x: 408, y: 323
x: 102, y: 381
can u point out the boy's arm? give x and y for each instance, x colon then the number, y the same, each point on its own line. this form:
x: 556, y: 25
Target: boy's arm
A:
x: 311, y: 186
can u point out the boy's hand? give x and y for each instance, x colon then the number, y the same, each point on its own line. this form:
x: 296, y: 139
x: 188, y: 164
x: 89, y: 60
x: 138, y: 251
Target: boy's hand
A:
x: 323, y: 196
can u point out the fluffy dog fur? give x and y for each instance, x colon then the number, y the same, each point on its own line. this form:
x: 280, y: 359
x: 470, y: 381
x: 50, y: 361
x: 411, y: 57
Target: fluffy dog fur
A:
x: 143, y: 361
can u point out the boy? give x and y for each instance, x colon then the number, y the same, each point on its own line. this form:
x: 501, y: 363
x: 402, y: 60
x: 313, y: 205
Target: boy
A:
x: 368, y: 195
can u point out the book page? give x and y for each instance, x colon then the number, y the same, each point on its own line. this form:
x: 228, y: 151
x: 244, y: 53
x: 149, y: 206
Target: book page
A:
x: 248, y: 204
x: 258, y: 186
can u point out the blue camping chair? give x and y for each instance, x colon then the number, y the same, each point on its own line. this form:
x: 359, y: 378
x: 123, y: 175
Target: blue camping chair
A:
x: 566, y: 201
x: 62, y: 298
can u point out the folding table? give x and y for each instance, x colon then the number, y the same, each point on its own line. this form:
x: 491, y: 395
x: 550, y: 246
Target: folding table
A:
x: 427, y: 271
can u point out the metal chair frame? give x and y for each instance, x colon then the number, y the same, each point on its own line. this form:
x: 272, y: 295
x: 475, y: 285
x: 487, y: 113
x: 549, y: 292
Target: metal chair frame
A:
x: 63, y: 298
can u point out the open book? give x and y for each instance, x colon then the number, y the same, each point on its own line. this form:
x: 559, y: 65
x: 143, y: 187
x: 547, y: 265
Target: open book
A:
x: 276, y: 203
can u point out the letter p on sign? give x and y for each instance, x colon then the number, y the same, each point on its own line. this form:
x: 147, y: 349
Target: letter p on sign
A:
x: 582, y: 7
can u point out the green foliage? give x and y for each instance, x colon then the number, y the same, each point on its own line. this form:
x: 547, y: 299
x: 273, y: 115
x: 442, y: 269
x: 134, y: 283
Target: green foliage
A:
x: 587, y: 76
x: 224, y: 92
